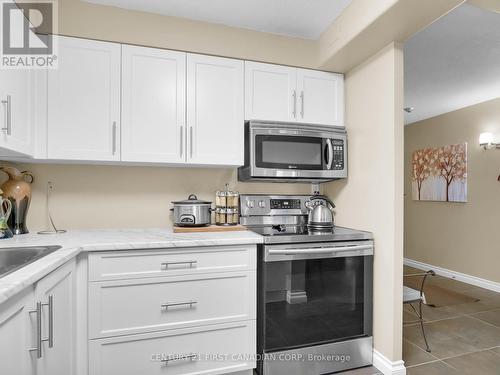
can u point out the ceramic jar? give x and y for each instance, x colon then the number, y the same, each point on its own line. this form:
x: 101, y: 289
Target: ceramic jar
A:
x: 18, y: 191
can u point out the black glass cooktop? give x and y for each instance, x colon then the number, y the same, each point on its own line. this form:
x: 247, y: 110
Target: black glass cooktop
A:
x: 301, y: 233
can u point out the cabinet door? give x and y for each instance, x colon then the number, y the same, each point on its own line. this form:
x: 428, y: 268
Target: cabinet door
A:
x: 215, y: 117
x: 16, y: 100
x: 320, y: 97
x: 18, y: 335
x: 153, y: 105
x: 16, y: 122
x: 58, y: 289
x: 84, y: 101
x: 270, y: 92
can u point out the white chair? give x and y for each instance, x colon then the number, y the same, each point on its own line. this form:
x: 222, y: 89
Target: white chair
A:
x: 411, y: 296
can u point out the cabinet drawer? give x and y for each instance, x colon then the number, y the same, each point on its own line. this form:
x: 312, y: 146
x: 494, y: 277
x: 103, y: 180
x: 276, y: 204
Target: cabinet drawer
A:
x: 142, y: 354
x: 146, y: 305
x: 170, y: 262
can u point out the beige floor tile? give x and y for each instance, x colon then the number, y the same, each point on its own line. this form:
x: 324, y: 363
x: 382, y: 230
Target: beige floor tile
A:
x: 436, y: 313
x: 434, y: 368
x: 451, y: 284
x: 484, y: 363
x: 492, y: 317
x: 454, y: 337
x: 362, y: 371
x: 413, y: 355
x: 487, y: 297
x: 409, y: 316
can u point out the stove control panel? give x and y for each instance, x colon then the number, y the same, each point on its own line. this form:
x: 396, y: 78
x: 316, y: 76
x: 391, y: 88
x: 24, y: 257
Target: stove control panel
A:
x: 273, y: 205
x: 285, y: 204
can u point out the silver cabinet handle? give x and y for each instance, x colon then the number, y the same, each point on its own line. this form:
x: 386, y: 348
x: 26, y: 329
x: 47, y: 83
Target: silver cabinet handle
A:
x: 184, y: 357
x: 8, y: 115
x: 191, y: 263
x: 114, y: 137
x: 50, y: 304
x: 294, y: 95
x: 38, y: 312
x: 182, y: 140
x: 184, y: 303
x: 302, y: 104
x: 191, y: 141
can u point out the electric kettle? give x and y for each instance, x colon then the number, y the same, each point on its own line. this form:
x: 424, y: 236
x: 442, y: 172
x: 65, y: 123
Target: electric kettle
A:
x: 320, y: 213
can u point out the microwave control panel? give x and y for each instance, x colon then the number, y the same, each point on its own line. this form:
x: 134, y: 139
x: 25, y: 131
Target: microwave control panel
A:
x: 338, y: 154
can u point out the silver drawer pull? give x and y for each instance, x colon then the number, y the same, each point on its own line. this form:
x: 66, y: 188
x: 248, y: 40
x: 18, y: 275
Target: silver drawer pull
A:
x: 50, y: 305
x: 190, y: 356
x: 190, y: 263
x: 38, y: 312
x: 184, y: 303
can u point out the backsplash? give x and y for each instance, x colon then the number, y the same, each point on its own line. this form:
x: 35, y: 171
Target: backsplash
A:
x: 94, y: 197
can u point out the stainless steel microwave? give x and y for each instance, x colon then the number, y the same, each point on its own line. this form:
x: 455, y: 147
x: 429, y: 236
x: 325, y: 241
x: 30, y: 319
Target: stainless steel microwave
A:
x: 291, y: 152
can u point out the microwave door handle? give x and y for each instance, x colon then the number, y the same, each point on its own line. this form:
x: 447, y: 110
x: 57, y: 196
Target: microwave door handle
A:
x: 330, y: 153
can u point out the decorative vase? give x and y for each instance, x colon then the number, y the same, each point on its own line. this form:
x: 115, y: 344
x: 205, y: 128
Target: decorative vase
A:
x: 18, y: 191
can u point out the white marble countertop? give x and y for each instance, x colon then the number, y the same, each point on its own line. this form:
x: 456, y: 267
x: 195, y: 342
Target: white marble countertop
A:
x: 75, y: 242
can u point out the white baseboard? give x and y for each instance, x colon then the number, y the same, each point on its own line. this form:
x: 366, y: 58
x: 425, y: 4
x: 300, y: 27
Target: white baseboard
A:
x: 386, y: 366
x: 468, y: 279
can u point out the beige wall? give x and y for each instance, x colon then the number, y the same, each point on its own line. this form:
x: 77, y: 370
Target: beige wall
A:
x: 372, y: 197
x: 458, y: 236
x: 81, y: 19
x: 87, y: 197
x: 361, y: 30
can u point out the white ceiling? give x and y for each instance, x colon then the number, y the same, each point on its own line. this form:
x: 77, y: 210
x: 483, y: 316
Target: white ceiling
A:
x: 298, y: 18
x: 454, y: 63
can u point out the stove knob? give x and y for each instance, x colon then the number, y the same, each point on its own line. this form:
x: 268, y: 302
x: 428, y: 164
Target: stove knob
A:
x: 250, y: 204
x: 262, y: 204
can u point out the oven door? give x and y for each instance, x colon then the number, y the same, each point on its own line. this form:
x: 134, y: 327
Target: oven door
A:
x: 313, y: 294
x: 301, y: 152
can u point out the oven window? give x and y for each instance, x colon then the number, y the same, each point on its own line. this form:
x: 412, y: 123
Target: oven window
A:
x: 317, y: 301
x: 288, y: 152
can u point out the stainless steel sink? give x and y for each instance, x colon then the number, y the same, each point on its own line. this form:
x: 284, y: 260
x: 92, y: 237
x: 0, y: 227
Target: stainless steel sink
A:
x: 14, y: 258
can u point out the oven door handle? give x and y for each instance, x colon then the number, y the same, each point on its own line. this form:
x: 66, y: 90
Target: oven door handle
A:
x: 330, y: 153
x: 322, y: 250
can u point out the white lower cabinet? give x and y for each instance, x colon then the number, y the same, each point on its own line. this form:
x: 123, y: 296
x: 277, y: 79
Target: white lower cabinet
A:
x: 57, y: 293
x: 37, y: 327
x: 18, y: 335
x: 134, y: 306
x: 186, y: 351
x: 172, y: 310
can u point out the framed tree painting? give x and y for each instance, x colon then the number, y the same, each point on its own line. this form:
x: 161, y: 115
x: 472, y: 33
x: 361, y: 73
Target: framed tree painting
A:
x: 440, y: 174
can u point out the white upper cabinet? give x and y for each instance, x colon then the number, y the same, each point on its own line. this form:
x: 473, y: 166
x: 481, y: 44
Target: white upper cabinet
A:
x: 215, y: 110
x: 16, y: 122
x: 270, y: 92
x: 281, y: 93
x: 320, y: 97
x: 153, y: 105
x: 84, y: 101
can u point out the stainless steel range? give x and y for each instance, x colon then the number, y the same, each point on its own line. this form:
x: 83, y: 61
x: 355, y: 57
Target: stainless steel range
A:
x: 314, y: 290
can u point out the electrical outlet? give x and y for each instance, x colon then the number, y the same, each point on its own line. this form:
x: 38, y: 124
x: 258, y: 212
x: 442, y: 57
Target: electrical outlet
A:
x: 315, y: 189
